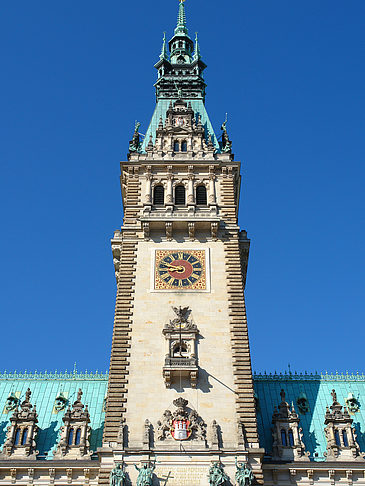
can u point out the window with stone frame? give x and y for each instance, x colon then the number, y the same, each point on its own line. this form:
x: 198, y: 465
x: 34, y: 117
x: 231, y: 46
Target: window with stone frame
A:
x: 158, y: 195
x: 201, y: 195
x: 180, y: 195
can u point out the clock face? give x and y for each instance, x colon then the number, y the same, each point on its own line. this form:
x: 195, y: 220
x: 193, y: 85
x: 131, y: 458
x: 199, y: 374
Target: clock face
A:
x: 180, y: 270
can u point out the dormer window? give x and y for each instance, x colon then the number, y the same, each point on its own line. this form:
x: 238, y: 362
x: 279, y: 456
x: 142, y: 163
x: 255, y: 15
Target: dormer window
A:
x: 176, y: 146
x: 184, y: 146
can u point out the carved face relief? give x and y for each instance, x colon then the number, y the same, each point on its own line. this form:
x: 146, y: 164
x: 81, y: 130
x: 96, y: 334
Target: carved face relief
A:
x: 180, y: 270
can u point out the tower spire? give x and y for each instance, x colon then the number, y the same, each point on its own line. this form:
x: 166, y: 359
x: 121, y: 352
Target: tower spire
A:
x: 181, y: 19
x: 164, y: 54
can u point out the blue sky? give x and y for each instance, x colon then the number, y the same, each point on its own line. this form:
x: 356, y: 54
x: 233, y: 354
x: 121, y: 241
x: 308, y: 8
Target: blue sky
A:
x: 75, y: 77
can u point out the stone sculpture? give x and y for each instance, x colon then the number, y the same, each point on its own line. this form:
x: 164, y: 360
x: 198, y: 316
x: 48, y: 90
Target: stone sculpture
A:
x: 244, y: 474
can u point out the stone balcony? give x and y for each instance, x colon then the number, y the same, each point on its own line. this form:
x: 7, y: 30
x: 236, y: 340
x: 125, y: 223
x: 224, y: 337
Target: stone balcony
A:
x: 176, y: 367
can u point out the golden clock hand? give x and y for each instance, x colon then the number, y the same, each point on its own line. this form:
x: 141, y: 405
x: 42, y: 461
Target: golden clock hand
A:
x: 174, y: 268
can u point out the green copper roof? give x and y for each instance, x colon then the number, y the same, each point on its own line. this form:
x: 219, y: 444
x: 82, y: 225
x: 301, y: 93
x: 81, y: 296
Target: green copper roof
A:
x: 160, y: 112
x: 45, y: 387
x: 317, y: 389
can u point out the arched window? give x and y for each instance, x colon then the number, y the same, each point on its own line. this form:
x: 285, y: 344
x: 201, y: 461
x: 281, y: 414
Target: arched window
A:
x: 344, y: 436
x: 201, y: 196
x: 180, y: 44
x: 158, y: 195
x: 78, y: 437
x: 17, y: 437
x: 291, y: 438
x: 283, y: 438
x: 180, y: 196
x: 180, y: 350
x: 176, y: 146
x: 184, y: 146
x: 337, y: 438
x: 70, y: 436
x: 24, y: 436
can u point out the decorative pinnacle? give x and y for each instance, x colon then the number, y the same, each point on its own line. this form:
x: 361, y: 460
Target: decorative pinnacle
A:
x: 181, y: 19
x: 163, y: 54
x: 196, y: 55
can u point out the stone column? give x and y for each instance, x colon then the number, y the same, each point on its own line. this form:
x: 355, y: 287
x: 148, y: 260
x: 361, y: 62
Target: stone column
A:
x: 148, y: 198
x: 169, y: 198
x: 212, y: 197
x: 190, y: 185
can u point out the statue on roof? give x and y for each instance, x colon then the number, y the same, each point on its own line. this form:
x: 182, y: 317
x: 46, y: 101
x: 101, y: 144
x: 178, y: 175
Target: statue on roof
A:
x: 134, y: 144
x: 226, y: 143
x: 117, y: 476
x: 179, y: 91
x: 334, y: 396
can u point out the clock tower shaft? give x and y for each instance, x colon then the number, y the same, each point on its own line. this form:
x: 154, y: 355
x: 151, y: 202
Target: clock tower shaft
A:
x: 180, y: 382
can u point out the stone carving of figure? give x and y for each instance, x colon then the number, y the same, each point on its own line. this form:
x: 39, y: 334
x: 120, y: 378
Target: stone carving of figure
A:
x: 145, y: 474
x: 217, y: 476
x: 244, y: 474
x: 117, y: 476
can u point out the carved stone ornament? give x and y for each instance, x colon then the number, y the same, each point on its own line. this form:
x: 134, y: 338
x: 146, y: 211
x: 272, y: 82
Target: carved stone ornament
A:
x: 180, y: 361
x: 11, y: 403
x: 340, y: 434
x: 287, y: 435
x: 182, y: 424
x: 21, y: 434
x: 75, y: 433
x: 352, y: 403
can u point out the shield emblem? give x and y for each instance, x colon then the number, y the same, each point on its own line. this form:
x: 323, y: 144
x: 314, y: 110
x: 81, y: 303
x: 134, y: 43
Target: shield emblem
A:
x: 181, y: 429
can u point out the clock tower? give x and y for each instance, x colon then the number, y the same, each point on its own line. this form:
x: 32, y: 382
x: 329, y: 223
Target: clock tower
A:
x: 180, y: 405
